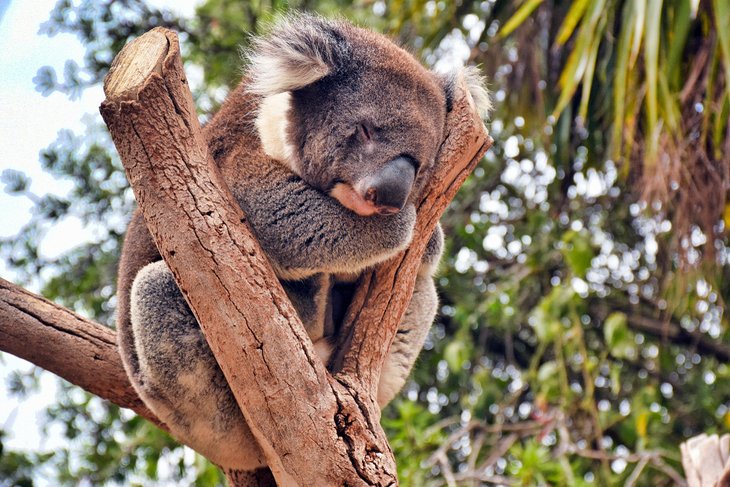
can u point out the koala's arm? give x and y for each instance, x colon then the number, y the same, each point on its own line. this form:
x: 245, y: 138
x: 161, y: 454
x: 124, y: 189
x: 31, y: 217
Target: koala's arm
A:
x: 305, y: 231
x: 302, y: 230
x: 416, y: 322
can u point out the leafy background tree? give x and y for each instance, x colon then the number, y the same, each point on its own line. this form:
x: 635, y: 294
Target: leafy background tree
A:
x: 582, y: 333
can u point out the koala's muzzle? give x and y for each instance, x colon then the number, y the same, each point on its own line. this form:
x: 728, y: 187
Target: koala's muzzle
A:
x: 388, y: 189
x: 385, y: 192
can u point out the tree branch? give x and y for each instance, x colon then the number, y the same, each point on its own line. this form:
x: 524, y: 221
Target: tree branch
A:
x: 80, y: 351
x: 680, y: 336
x: 251, y: 326
x: 72, y: 347
x: 381, y: 300
x: 643, y: 318
x: 299, y: 413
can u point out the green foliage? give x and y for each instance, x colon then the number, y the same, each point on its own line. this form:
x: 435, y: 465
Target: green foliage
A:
x: 620, y: 341
x: 411, y: 433
x: 579, y: 332
x: 534, y: 465
x: 16, y: 469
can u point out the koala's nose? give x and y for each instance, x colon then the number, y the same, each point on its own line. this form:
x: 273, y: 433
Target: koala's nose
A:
x: 388, y: 189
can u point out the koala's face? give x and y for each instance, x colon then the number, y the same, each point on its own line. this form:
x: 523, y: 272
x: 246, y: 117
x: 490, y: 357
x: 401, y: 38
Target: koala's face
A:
x: 349, y: 111
x: 369, y: 135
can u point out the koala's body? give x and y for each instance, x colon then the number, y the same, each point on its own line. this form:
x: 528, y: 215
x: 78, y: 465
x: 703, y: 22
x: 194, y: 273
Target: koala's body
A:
x: 326, y: 145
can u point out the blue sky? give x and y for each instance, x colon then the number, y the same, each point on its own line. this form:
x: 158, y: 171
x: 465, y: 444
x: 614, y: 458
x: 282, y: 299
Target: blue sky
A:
x: 29, y: 123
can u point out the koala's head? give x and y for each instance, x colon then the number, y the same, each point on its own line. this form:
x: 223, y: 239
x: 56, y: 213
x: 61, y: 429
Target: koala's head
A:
x: 350, y: 112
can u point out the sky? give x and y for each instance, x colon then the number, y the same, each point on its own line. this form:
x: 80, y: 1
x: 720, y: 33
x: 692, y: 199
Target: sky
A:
x: 30, y: 122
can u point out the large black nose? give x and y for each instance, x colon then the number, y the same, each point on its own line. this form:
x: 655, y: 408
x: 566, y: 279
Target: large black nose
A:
x: 388, y: 189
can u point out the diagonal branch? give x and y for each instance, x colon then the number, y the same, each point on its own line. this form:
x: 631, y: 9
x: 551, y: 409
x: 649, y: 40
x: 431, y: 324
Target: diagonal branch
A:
x: 381, y: 300
x: 299, y: 413
x: 80, y: 351
x: 251, y: 326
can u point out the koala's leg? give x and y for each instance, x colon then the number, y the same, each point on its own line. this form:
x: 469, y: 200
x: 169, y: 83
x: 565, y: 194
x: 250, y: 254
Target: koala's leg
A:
x: 409, y: 339
x: 414, y: 327
x: 179, y: 379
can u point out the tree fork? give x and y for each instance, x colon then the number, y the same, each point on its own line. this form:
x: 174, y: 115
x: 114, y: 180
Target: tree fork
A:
x: 315, y: 428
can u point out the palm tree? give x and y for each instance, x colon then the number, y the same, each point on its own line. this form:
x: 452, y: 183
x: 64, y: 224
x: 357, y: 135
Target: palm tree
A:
x: 641, y: 82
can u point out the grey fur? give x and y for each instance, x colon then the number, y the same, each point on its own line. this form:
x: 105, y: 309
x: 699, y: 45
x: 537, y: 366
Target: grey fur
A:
x: 179, y: 378
x: 409, y: 339
x: 305, y: 232
x: 475, y: 83
x: 299, y: 50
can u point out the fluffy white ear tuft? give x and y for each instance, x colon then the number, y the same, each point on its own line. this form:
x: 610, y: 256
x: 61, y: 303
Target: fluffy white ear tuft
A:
x: 299, y: 50
x: 475, y: 83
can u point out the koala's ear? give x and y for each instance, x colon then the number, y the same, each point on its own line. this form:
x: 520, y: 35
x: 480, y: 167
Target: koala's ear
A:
x: 472, y: 80
x: 299, y: 50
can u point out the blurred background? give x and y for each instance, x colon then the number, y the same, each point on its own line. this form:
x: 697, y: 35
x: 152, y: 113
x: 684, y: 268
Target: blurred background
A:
x: 582, y: 334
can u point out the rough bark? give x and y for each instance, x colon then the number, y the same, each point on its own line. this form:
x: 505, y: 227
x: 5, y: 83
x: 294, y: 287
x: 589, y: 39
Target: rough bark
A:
x: 57, y: 339
x: 81, y: 351
x: 316, y: 428
x: 382, y: 298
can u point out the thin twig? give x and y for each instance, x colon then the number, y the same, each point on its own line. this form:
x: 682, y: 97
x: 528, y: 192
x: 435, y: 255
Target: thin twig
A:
x: 498, y: 451
x: 448, y: 474
x: 669, y: 471
x: 637, y: 471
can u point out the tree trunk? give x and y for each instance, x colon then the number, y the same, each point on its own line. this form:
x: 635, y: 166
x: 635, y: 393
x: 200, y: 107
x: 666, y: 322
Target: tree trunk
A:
x: 314, y: 427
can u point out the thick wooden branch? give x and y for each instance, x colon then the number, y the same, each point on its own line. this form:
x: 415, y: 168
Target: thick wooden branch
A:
x: 251, y: 326
x: 298, y: 413
x: 79, y: 350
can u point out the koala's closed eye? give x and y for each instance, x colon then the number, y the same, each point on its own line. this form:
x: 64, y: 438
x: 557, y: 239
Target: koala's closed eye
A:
x: 365, y: 132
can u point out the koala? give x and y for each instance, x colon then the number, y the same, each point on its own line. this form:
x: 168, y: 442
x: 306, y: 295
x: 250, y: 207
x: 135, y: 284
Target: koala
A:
x: 326, y: 145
